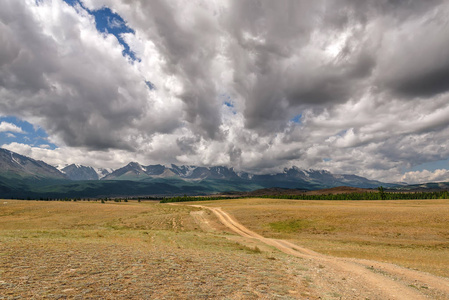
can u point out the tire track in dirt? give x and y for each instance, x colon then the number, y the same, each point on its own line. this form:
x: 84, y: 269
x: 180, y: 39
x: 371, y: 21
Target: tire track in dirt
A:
x: 201, y: 220
x: 387, y: 280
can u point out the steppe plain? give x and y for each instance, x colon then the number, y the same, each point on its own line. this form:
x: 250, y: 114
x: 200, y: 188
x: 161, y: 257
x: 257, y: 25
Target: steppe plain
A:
x: 227, y: 249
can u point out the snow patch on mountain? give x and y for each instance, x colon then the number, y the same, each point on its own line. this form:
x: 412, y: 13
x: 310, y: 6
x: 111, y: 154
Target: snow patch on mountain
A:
x: 13, y: 159
x: 102, y: 172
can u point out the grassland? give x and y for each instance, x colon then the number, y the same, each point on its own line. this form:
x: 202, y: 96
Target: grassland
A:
x: 88, y: 250
x: 147, y: 250
x: 411, y: 233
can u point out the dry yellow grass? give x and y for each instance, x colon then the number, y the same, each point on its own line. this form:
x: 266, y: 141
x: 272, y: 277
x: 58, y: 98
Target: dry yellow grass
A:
x: 88, y: 250
x: 412, y: 233
x: 133, y: 250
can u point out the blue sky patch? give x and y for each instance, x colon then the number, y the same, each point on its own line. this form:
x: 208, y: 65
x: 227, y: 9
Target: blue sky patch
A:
x: 231, y: 106
x: 31, y: 135
x: 150, y: 85
x: 228, y: 104
x: 297, y: 119
x: 227, y: 100
x: 107, y: 21
x: 72, y: 2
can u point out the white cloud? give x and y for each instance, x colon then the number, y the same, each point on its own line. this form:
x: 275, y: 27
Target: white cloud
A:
x: 426, y: 176
x: 114, y: 22
x: 9, y: 127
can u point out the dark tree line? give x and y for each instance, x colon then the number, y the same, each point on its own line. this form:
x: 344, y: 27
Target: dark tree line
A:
x: 380, y: 195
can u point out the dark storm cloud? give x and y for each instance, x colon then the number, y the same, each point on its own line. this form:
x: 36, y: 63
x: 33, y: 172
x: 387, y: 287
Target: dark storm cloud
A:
x: 286, y: 66
x: 281, y: 75
x: 425, y: 85
x: 414, y: 58
x: 188, y: 145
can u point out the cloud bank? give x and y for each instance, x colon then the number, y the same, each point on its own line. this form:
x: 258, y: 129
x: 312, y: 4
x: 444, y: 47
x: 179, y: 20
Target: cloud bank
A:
x: 348, y: 86
x: 426, y: 176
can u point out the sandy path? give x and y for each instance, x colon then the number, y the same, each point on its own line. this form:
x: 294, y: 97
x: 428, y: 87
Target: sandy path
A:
x: 201, y: 220
x: 386, y: 281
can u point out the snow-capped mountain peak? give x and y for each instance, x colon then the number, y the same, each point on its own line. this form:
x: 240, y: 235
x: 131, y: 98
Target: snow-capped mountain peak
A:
x: 79, y: 172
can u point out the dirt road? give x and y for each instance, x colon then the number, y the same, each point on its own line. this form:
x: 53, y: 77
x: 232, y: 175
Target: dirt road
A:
x: 378, y: 280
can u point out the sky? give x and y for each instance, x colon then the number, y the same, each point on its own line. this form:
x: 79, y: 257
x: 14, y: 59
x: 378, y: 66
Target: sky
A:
x: 353, y: 87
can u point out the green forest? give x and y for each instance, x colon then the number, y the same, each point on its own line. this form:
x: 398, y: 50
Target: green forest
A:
x: 374, y: 195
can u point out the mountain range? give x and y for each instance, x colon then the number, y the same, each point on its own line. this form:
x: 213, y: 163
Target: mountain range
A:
x: 289, y: 178
x: 21, y: 176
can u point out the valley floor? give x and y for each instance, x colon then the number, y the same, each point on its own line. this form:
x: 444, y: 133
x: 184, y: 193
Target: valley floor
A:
x: 89, y: 250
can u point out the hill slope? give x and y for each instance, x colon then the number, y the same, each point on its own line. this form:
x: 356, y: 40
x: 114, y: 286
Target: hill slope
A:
x: 16, y: 164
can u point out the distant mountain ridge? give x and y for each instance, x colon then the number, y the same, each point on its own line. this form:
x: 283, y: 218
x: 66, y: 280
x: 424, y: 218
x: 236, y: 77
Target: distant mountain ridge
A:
x: 134, y: 170
x: 290, y: 178
x: 22, y: 176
